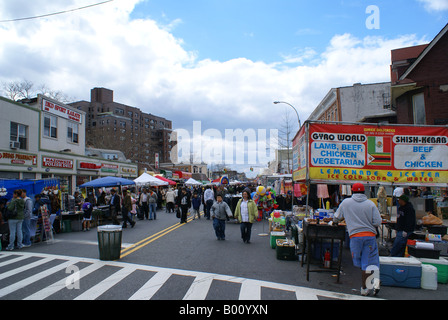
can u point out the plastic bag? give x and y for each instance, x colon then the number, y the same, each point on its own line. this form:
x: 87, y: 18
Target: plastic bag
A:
x: 431, y: 219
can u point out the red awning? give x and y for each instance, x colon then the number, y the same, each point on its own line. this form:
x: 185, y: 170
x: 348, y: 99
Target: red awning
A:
x: 171, y: 182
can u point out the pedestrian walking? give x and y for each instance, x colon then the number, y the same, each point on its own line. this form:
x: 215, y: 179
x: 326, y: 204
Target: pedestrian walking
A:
x: 87, y: 209
x: 15, y: 219
x: 152, y: 202
x: 184, y: 204
x: 26, y: 225
x: 196, y: 205
x: 115, y: 206
x: 144, y: 204
x: 170, y: 197
x: 362, y: 218
x: 209, y: 199
x: 126, y: 210
x: 220, y: 212
x: 406, y: 221
x: 246, y: 212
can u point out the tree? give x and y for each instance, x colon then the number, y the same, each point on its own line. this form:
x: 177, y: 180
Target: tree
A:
x: 288, y: 129
x: 18, y: 90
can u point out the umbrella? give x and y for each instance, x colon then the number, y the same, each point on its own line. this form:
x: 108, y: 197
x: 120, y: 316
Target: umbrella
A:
x: 146, y: 178
x: 193, y: 182
x: 171, y: 182
x: 107, y: 182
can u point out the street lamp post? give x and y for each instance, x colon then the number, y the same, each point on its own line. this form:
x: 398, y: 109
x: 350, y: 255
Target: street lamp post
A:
x: 298, y: 118
x: 292, y: 174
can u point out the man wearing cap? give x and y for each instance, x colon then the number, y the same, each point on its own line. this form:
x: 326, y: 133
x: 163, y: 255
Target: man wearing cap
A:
x: 404, y: 227
x: 362, y: 218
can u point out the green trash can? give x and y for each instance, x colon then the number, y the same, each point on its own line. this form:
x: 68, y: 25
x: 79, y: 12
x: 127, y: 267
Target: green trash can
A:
x: 109, y: 242
x: 66, y: 226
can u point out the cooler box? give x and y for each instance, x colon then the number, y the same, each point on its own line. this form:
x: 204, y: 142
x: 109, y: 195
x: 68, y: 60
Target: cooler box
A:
x: 441, y: 265
x: 286, y: 249
x: 400, y: 272
x: 429, y: 277
x: 275, y: 235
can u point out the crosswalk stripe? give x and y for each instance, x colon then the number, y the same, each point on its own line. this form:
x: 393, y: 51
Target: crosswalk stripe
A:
x: 13, y: 260
x: 199, y: 288
x: 250, y: 289
x: 106, y: 284
x: 147, y: 291
x: 52, y: 289
x: 25, y: 267
x: 26, y: 282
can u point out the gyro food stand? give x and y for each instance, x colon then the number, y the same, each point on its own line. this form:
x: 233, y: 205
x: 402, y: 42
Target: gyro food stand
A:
x: 330, y: 153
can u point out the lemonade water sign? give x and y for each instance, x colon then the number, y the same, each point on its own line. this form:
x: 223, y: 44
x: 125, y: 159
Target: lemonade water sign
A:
x: 398, y: 154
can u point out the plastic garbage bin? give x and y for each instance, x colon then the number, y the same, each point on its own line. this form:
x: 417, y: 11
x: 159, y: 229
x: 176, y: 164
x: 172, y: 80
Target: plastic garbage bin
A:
x: 109, y: 242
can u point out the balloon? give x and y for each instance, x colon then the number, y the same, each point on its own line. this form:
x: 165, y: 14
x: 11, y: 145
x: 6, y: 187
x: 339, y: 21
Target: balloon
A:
x: 277, y: 214
x: 261, y: 190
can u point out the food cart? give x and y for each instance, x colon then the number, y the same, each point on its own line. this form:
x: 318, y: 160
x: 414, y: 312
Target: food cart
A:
x: 339, y: 153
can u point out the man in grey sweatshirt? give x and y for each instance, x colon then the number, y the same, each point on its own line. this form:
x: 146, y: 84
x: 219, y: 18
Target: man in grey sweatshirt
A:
x: 362, y: 218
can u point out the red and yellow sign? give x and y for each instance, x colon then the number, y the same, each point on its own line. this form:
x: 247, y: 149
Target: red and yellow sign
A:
x: 387, y: 154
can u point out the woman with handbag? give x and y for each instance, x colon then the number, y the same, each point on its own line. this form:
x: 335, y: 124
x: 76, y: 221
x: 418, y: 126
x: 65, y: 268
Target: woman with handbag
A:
x: 246, y: 212
x: 15, y: 215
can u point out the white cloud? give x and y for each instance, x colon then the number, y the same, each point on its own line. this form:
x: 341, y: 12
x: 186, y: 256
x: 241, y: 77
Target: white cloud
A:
x: 435, y: 5
x: 148, y: 67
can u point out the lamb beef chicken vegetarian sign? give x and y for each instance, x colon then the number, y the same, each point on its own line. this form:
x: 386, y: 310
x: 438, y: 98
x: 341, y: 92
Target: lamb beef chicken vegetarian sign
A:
x: 384, y: 154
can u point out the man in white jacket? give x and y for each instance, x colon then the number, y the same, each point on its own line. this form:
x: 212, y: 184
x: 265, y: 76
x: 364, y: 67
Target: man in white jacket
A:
x: 362, y: 218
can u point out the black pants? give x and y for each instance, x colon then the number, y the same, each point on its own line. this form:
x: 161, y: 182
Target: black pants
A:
x: 183, y: 214
x: 208, y: 205
x: 246, y: 229
x: 145, y: 211
x: 170, y: 207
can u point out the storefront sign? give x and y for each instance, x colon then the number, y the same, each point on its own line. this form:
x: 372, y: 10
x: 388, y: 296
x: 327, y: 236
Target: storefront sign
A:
x: 57, y: 163
x: 387, y: 154
x: 61, y: 111
x: 18, y: 158
x: 110, y: 168
x: 89, y: 166
x: 128, y: 170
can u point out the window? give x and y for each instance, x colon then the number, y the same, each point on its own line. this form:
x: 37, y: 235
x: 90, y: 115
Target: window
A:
x: 72, y: 132
x: 50, y: 126
x: 18, y: 133
x: 418, y: 103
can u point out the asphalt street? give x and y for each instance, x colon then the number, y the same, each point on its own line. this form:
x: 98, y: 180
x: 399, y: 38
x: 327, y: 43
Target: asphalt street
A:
x: 182, y: 252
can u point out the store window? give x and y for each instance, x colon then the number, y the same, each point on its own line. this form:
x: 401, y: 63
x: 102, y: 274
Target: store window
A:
x: 72, y: 132
x: 50, y: 126
x: 418, y: 103
x: 18, y: 133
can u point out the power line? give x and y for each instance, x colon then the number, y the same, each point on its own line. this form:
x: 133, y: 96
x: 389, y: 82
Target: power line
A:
x: 56, y: 13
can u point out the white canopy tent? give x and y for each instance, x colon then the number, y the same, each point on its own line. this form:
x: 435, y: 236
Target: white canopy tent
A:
x: 147, y: 179
x: 192, y: 182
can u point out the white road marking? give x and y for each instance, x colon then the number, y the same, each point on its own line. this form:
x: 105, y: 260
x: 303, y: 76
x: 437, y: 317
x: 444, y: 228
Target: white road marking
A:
x: 250, y: 288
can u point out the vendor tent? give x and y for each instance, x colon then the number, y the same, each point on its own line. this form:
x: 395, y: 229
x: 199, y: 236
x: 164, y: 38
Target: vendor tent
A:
x: 107, y: 182
x: 170, y: 182
x: 147, y: 179
x: 192, y: 182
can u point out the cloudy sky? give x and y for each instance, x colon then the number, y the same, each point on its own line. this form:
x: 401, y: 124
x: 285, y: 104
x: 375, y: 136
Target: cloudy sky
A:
x: 220, y: 62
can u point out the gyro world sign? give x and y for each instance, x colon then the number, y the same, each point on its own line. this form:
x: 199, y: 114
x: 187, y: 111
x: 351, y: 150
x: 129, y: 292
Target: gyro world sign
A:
x: 387, y: 154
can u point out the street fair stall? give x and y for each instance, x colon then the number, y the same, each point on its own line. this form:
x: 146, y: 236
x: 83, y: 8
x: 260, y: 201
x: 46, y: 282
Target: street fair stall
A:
x: 99, y: 212
x: 328, y: 157
x: 47, y: 210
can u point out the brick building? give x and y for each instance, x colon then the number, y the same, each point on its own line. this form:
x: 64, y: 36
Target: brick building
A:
x: 357, y: 103
x: 112, y: 125
x: 419, y: 77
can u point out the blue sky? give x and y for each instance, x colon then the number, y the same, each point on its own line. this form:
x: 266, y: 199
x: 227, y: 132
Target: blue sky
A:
x: 219, y: 62
x: 266, y: 30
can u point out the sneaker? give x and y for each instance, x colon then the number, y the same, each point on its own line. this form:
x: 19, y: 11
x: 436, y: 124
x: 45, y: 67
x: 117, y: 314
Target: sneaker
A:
x: 376, y: 286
